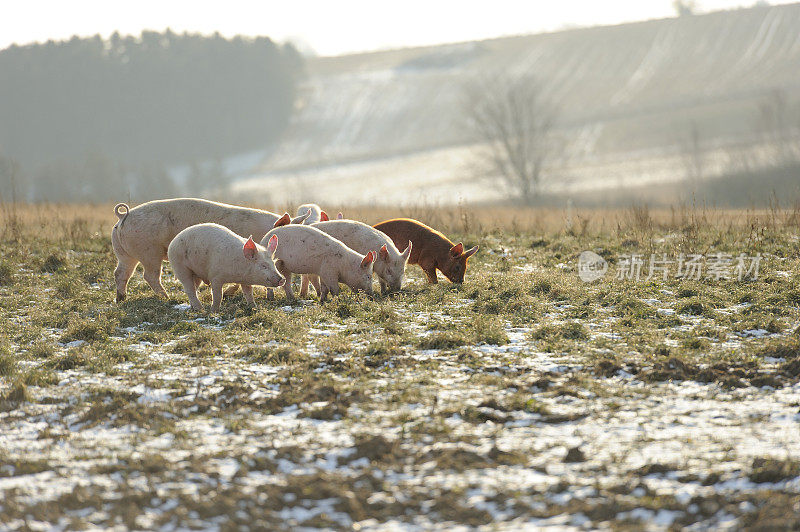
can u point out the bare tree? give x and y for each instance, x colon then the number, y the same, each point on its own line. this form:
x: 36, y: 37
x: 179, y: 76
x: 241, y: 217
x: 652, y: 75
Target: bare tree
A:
x: 780, y: 134
x: 515, y: 121
x: 684, y: 8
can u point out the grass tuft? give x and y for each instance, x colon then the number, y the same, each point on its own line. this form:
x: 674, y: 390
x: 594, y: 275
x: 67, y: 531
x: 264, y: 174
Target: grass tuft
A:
x: 53, y: 263
x: 6, y: 273
x: 201, y: 344
x: 8, y: 362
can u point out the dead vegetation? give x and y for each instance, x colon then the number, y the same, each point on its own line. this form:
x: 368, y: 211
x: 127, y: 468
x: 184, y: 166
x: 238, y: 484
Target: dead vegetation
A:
x: 503, y: 399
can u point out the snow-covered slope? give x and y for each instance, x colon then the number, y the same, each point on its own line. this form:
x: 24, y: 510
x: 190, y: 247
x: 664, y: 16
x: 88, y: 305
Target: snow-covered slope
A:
x: 634, y: 88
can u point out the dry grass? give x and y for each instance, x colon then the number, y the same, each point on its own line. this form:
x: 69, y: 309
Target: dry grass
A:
x: 457, y: 376
x: 51, y: 221
x: 76, y: 222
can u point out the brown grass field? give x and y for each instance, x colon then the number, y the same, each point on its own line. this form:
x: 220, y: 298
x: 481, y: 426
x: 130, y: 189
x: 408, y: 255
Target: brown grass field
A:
x: 53, y: 221
x: 522, y: 399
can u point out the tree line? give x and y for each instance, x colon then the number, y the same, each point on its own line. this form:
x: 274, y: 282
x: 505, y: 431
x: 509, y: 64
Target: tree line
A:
x: 101, y: 119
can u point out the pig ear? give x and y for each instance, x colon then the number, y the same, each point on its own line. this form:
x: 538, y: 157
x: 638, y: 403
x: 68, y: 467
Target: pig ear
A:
x: 300, y: 219
x: 323, y: 216
x: 457, y: 250
x: 283, y: 220
x: 368, y: 259
x: 384, y: 252
x: 272, y: 245
x: 340, y: 216
x: 470, y: 252
x: 249, y: 249
x: 407, y: 252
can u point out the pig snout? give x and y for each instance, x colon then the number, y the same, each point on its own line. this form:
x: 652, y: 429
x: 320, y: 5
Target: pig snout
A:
x: 368, y: 288
x: 277, y: 280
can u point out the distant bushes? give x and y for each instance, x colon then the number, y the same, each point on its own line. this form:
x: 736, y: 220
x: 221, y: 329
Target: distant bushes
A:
x: 86, y: 117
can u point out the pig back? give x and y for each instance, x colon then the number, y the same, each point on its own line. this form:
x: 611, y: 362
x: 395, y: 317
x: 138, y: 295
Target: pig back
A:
x: 160, y: 221
x: 306, y: 249
x: 358, y: 236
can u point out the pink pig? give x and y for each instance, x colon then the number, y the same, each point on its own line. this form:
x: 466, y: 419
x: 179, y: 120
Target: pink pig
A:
x: 307, y: 250
x: 216, y: 255
x: 390, y: 264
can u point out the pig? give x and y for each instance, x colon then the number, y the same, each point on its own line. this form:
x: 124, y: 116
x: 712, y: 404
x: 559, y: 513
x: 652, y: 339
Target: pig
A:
x: 143, y: 234
x: 305, y: 249
x: 216, y: 255
x: 431, y: 249
x: 315, y: 213
x: 390, y: 264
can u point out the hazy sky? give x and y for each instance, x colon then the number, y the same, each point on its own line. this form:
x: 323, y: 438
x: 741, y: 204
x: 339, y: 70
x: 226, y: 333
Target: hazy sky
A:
x: 330, y: 27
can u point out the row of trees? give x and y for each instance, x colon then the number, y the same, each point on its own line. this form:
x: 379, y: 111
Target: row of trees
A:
x: 102, y: 118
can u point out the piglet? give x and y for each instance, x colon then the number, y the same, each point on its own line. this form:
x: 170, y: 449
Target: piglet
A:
x: 313, y: 213
x: 307, y: 250
x: 216, y: 255
x: 390, y: 264
x: 431, y: 249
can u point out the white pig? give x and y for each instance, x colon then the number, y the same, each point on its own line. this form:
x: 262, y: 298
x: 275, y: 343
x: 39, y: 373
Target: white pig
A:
x: 216, y: 255
x: 314, y: 214
x: 305, y: 249
x: 390, y: 264
x: 142, y: 234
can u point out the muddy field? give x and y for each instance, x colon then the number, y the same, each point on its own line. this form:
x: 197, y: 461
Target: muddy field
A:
x: 525, y: 398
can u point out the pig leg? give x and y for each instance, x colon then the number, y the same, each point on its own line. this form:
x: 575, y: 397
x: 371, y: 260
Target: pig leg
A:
x: 216, y: 295
x: 323, y: 293
x: 231, y: 290
x: 152, y: 274
x: 190, y: 283
x: 315, y: 282
x: 306, y: 279
x: 247, y: 290
x: 329, y: 285
x: 304, y: 285
x: 332, y: 289
x: 430, y: 272
x: 287, y: 286
x: 122, y: 274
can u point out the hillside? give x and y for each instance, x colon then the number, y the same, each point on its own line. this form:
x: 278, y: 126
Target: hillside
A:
x: 627, y: 93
